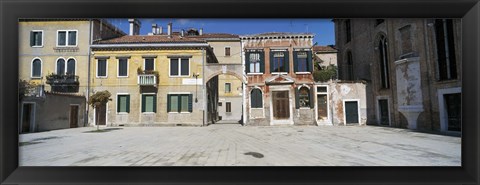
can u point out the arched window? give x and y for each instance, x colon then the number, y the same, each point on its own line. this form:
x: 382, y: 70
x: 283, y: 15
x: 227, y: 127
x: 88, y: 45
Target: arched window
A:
x: 445, y: 42
x: 383, y: 58
x: 71, y: 66
x: 303, y: 97
x: 60, y: 66
x: 36, y: 68
x: 349, y: 67
x: 256, y: 98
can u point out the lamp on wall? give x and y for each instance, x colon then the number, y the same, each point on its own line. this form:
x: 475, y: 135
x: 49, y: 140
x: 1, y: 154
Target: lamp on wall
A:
x: 196, y: 84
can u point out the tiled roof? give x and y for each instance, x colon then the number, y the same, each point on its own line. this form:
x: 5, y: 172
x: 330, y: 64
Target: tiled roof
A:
x: 216, y: 35
x: 324, y: 48
x: 279, y: 34
x: 131, y: 39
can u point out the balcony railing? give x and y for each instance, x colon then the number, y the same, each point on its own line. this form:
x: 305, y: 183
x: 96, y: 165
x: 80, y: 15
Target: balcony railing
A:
x: 63, y: 83
x: 147, y: 79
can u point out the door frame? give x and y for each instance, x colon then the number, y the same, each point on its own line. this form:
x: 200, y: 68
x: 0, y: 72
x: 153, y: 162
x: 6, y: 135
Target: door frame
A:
x: 378, y: 98
x: 32, y: 119
x: 442, y: 107
x: 287, y: 88
x: 344, y: 110
x: 95, y: 118
x: 329, y: 117
x: 78, y: 113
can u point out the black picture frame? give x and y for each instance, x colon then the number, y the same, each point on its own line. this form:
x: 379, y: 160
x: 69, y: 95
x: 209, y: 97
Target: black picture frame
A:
x: 12, y: 10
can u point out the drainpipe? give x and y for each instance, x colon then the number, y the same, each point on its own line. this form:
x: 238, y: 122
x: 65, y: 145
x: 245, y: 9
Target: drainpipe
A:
x: 205, y: 101
x: 85, y: 119
x: 244, y: 101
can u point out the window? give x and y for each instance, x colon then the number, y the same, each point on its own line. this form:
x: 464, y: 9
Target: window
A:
x: 102, y: 68
x: 123, y: 103
x: 179, y: 67
x: 36, y: 38
x: 71, y: 67
x: 228, y: 107
x: 36, y: 68
x: 348, y: 31
x: 149, y: 103
x: 255, y: 61
x: 66, y: 38
x: 149, y: 64
x: 256, y: 98
x: 122, y: 67
x: 383, y: 50
x: 60, y: 66
x: 279, y: 62
x: 179, y: 103
x: 303, y: 97
x: 303, y: 61
x: 349, y: 67
x: 228, y: 87
x: 445, y: 41
x: 227, y: 51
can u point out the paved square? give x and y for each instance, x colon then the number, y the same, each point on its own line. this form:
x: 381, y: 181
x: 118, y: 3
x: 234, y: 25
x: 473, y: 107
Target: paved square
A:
x: 234, y: 145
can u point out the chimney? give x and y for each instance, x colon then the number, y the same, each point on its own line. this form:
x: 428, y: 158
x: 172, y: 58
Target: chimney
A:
x: 201, y: 31
x: 169, y: 29
x: 134, y: 26
x: 183, y: 33
x: 159, y: 30
x: 154, y: 29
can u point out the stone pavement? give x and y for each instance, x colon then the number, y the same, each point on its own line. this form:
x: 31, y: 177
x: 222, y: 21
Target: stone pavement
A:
x: 236, y: 145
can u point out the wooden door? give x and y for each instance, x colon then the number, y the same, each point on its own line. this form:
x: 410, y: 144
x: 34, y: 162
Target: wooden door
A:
x: 281, y: 106
x: 351, y: 112
x: 27, y: 118
x: 322, y: 105
x: 383, y: 105
x: 73, y: 116
x: 101, y: 115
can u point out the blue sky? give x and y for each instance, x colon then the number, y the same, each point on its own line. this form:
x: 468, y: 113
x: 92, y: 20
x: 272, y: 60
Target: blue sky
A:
x: 322, y: 28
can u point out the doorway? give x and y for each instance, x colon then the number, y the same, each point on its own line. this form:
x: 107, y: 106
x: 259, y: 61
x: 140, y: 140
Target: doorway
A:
x: 454, y: 111
x: 101, y: 115
x: 383, y: 112
x: 351, y: 112
x: 281, y: 106
x: 73, y: 116
x: 28, y: 119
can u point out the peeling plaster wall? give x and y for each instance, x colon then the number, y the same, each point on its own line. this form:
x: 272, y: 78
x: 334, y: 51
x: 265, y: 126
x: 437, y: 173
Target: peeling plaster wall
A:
x: 342, y: 91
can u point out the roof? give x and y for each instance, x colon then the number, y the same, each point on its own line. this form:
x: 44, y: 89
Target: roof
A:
x: 133, y: 39
x: 268, y: 35
x: 216, y: 35
x: 324, y: 49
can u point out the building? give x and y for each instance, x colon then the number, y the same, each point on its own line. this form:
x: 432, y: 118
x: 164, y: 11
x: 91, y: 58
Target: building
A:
x: 54, y: 55
x: 155, y: 80
x: 412, y: 68
x: 279, y: 86
x: 325, y: 55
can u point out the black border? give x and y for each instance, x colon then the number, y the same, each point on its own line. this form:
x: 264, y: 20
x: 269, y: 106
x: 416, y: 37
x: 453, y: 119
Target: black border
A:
x: 11, y: 10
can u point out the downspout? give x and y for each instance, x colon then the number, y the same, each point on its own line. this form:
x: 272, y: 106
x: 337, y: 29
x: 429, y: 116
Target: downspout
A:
x: 244, y: 102
x: 85, y: 121
x: 205, y: 101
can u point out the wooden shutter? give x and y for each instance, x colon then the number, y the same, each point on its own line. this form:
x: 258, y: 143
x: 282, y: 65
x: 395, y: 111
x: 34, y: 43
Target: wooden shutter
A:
x: 168, y: 102
x: 287, y: 62
x: 154, y: 103
x: 310, y: 97
x: 143, y: 103
x: 295, y: 61
x: 309, y: 61
x: 262, y: 62
x: 297, y: 99
x: 247, y: 62
x: 190, y: 107
x: 271, y: 62
x: 32, y: 38
x: 128, y: 104
x: 118, y: 103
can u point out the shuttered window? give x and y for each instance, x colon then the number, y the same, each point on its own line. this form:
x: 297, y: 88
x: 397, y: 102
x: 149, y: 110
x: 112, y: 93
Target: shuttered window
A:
x: 149, y: 103
x: 122, y: 67
x: 36, y: 68
x: 256, y: 98
x: 123, y: 103
x: 228, y: 87
x: 302, y: 61
x: 227, y: 51
x: 102, y: 67
x: 179, y: 103
x: 149, y: 64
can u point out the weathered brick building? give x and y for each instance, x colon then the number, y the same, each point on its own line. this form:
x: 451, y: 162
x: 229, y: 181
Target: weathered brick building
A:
x: 412, y: 68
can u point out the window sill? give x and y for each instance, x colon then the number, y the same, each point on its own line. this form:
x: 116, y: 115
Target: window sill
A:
x: 37, y: 46
x: 254, y: 74
x: 122, y: 113
x: 148, y: 113
x: 305, y: 108
x: 186, y: 76
x: 303, y: 73
x: 102, y: 77
x: 256, y: 108
x: 281, y: 73
x: 179, y: 112
x: 35, y: 77
x: 122, y: 76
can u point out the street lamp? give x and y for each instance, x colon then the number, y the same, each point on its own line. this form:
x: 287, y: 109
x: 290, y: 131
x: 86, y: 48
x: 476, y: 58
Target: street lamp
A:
x: 196, y: 84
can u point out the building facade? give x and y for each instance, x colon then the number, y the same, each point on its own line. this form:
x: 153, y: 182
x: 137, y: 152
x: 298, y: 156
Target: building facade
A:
x: 279, y: 86
x: 412, y: 68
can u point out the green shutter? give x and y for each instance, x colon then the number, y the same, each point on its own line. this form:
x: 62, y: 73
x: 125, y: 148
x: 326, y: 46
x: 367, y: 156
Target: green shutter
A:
x: 247, y: 62
x: 297, y: 99
x: 309, y: 61
x: 154, y: 103
x: 295, y: 61
x: 128, y: 103
x: 271, y: 61
x: 190, y: 107
x: 310, y: 98
x: 287, y: 62
x: 168, y: 102
x: 143, y: 103
x: 118, y: 103
x: 262, y: 62
x: 32, y: 39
